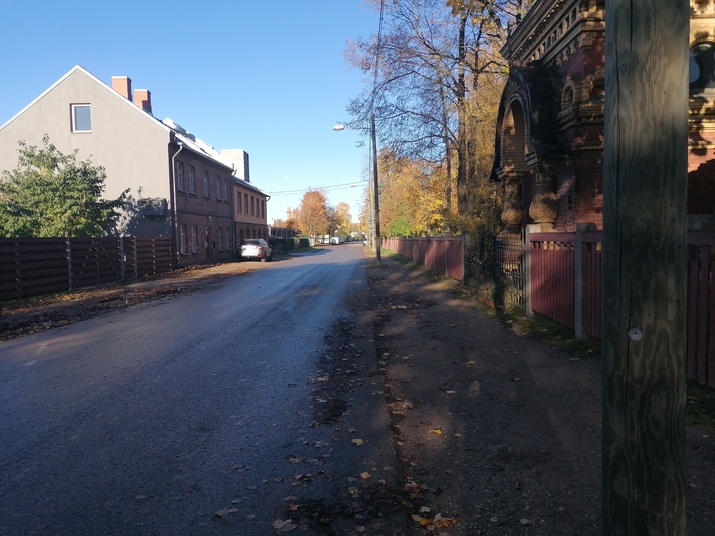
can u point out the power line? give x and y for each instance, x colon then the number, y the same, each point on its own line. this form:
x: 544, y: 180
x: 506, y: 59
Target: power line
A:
x: 345, y: 186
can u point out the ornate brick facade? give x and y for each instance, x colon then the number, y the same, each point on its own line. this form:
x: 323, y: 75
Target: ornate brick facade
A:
x: 549, y: 144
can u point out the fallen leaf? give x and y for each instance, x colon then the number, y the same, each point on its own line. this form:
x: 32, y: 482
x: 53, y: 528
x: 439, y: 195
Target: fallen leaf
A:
x: 441, y: 522
x: 423, y: 521
x: 451, y: 392
x: 365, y: 475
x: 225, y: 512
x: 471, y: 362
x: 284, y: 526
x: 358, y: 442
x: 436, y: 431
x: 415, y: 489
x: 516, y: 378
x: 412, y: 485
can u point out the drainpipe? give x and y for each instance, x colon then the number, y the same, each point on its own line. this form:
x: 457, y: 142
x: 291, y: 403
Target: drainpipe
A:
x: 268, y: 198
x: 175, y: 225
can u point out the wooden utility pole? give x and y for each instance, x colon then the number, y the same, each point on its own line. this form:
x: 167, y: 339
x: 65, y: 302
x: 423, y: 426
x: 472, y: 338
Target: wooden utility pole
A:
x: 375, y: 193
x: 644, y: 278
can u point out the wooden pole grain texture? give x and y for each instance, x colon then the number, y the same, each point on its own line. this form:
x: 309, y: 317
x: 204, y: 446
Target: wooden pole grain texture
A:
x: 644, y: 277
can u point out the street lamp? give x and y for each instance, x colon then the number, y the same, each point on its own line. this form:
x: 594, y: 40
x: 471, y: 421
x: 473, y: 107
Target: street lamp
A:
x: 376, y: 203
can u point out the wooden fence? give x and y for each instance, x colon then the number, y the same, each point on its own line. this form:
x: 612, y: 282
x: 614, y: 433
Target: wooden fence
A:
x: 444, y: 255
x: 31, y: 266
x: 565, y: 285
x: 558, y: 275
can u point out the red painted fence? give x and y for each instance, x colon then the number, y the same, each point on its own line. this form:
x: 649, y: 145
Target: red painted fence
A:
x: 563, y: 282
x: 565, y: 285
x: 444, y: 254
x: 701, y: 307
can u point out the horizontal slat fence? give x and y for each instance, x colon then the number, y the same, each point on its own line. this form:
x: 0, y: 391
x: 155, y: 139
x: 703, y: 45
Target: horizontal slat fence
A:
x: 32, y: 266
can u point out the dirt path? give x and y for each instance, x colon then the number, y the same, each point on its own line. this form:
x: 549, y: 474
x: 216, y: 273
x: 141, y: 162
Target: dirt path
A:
x: 498, y: 433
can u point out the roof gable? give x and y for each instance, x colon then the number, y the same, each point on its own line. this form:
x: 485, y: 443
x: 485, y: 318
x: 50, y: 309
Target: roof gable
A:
x: 79, y: 69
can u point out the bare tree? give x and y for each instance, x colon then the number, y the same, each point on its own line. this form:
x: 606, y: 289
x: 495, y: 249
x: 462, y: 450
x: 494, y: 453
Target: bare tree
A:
x: 432, y: 57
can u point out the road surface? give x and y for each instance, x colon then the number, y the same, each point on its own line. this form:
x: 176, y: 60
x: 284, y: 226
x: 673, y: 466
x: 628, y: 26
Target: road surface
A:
x: 190, y: 415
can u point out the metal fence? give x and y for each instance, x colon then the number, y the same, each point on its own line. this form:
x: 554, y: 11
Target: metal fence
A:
x: 32, y: 266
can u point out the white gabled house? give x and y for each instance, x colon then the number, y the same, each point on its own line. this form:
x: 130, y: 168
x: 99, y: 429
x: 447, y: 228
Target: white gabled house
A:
x: 179, y: 186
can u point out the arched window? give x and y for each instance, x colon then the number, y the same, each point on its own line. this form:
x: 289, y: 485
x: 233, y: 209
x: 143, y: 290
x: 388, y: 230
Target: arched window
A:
x: 567, y: 98
x: 598, y: 92
x: 702, y: 67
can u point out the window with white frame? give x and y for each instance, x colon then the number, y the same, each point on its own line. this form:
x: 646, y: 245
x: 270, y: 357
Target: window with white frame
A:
x: 207, y: 193
x: 192, y: 180
x: 218, y: 187
x: 182, y: 239
x: 180, y: 176
x: 81, y: 117
x: 220, y: 238
x: 225, y: 190
x: 194, y: 239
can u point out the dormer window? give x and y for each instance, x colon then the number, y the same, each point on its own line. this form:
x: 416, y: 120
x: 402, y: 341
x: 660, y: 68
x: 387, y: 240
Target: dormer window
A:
x: 81, y: 117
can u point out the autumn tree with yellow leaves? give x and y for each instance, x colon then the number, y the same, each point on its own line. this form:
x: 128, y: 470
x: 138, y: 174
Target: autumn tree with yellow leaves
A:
x: 312, y: 216
x: 434, y: 83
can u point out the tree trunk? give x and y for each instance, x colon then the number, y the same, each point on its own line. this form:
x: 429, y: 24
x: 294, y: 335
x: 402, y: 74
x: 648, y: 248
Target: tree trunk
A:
x: 462, y: 171
x: 644, y: 277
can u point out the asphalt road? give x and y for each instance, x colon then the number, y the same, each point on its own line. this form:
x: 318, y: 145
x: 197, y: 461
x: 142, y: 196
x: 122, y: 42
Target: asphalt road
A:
x: 190, y: 415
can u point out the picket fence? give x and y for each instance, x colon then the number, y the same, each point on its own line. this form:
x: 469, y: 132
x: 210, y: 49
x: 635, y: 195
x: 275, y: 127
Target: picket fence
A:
x: 32, y: 266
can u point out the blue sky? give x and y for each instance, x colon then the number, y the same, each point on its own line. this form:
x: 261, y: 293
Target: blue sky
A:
x: 266, y: 77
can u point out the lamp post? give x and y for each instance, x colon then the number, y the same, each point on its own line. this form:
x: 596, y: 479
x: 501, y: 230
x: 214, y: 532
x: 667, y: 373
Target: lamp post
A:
x: 375, y: 198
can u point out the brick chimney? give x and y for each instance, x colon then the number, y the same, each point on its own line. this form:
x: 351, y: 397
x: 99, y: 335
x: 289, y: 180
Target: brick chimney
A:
x: 142, y: 98
x: 123, y: 86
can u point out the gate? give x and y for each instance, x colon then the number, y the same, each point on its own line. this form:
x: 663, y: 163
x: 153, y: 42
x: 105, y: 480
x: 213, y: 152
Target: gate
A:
x: 510, y: 266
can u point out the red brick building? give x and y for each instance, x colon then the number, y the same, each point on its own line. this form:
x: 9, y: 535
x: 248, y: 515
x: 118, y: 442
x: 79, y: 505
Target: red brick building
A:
x: 549, y: 142
x: 203, y: 196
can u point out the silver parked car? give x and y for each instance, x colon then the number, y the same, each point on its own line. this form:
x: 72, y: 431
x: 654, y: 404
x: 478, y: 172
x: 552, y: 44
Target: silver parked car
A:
x: 256, y: 248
